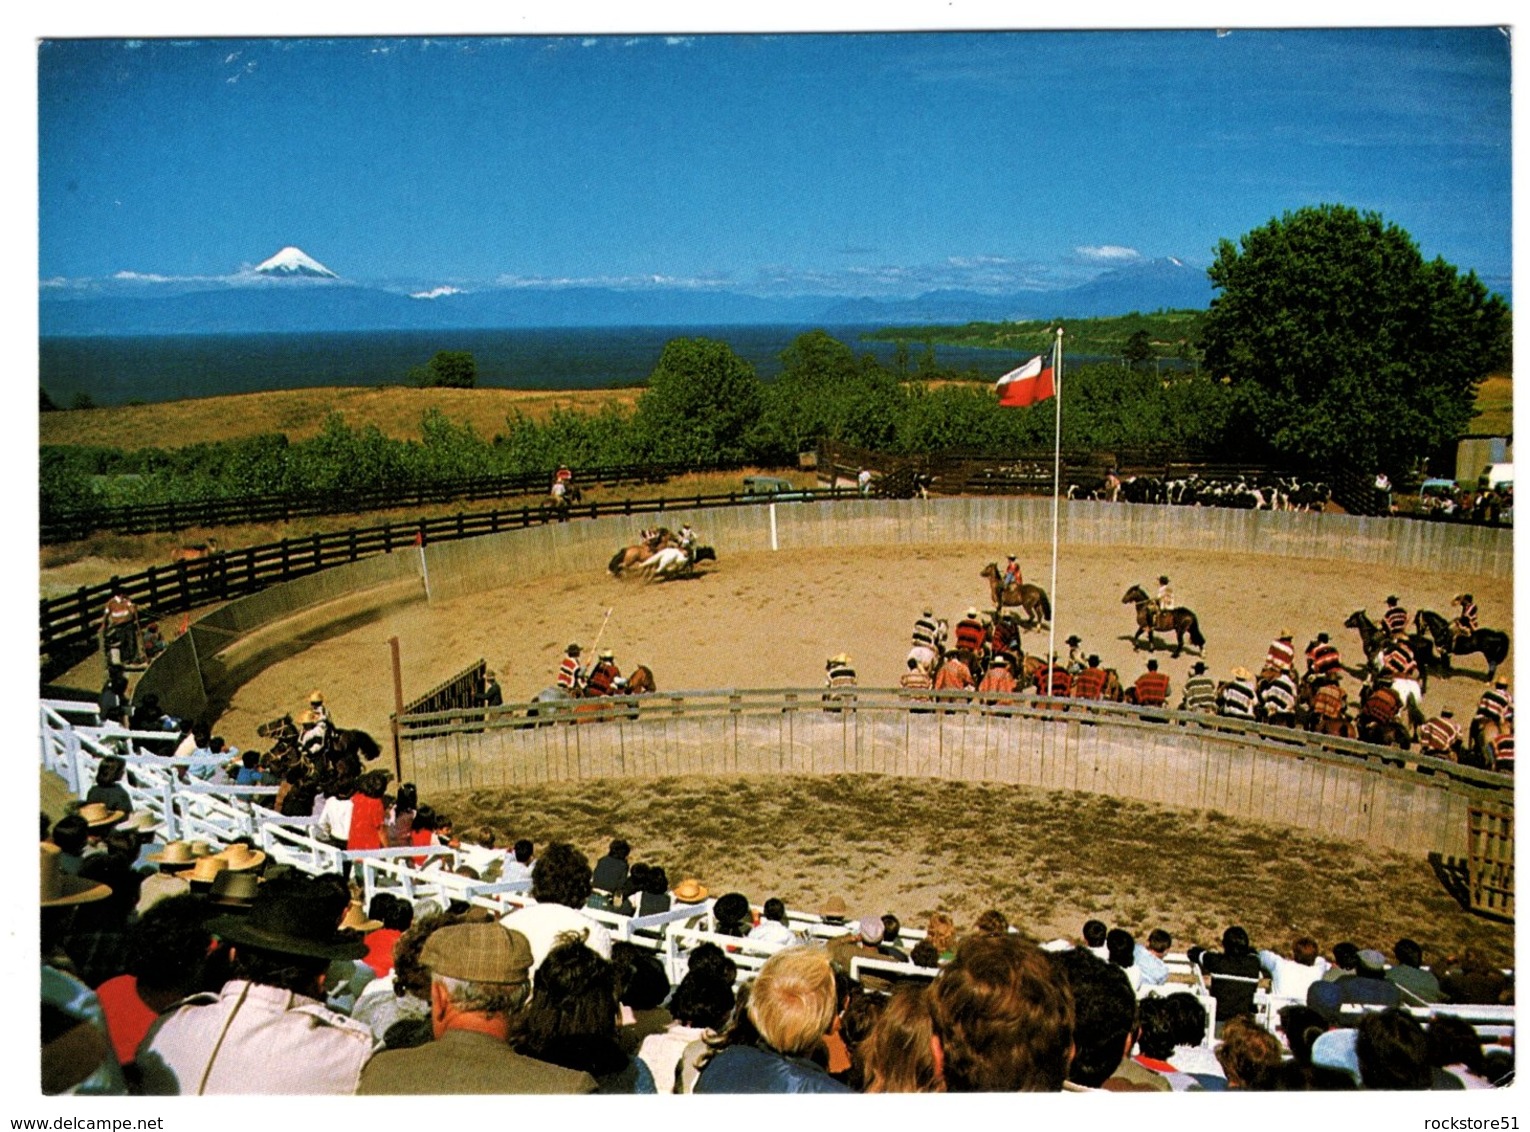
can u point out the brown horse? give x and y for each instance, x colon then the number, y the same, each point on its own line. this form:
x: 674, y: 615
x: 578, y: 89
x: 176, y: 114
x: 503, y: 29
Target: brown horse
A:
x: 194, y: 551
x: 1032, y: 599
x: 629, y: 556
x: 1179, y: 620
x: 640, y: 681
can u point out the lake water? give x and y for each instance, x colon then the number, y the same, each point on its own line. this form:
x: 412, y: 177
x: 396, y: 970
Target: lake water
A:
x: 114, y: 371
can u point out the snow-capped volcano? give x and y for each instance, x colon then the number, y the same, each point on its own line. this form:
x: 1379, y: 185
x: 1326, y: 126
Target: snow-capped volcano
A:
x: 294, y: 261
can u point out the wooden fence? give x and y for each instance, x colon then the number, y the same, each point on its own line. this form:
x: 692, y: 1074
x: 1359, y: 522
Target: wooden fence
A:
x: 1336, y: 787
x: 63, y: 526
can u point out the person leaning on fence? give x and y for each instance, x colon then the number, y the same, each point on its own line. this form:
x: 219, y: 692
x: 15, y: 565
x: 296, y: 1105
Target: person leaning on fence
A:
x: 1200, y: 691
x: 1322, y: 657
x: 1441, y: 737
x: 1236, y: 699
x: 1089, y: 684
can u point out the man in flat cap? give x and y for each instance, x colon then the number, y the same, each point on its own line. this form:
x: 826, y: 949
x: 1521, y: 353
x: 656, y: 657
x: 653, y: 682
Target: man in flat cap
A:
x: 480, y: 979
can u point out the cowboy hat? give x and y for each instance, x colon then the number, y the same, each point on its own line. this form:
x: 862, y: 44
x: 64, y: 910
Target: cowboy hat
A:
x: 58, y: 888
x: 355, y: 920
x: 316, y: 697
x: 206, y: 869
x: 607, y: 654
x: 840, y: 658
x: 175, y: 856
x: 98, y: 814
x: 1074, y: 640
x: 309, y: 716
x: 1241, y: 673
x: 297, y: 915
x: 834, y: 906
x: 690, y: 891
x: 572, y: 650
x: 1285, y: 635
x: 240, y: 857
x: 972, y: 611
x: 201, y: 848
x: 234, y: 889
x: 142, y: 821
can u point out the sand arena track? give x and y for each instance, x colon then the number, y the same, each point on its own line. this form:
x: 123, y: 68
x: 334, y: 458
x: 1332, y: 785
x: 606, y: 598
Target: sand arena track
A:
x: 764, y: 620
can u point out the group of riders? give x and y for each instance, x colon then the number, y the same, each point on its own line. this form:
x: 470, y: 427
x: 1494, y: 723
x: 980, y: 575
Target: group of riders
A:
x: 983, y: 654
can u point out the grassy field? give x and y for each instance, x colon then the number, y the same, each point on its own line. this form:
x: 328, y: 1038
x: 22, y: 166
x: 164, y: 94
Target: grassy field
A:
x: 1495, y: 406
x: 300, y: 413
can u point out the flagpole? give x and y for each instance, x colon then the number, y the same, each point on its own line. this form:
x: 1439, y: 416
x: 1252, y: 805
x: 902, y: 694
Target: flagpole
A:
x: 1057, y: 376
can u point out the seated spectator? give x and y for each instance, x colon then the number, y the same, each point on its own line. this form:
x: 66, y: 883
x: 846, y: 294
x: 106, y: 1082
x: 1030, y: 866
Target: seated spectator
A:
x: 924, y: 954
x: 519, y: 866
x: 1471, y: 979
x: 267, y: 1030
x: 992, y: 922
x: 1149, y: 958
x: 1301, y: 1025
x: 572, y: 1020
x: 560, y: 885
x: 891, y: 946
x: 1367, y: 986
x: 250, y: 774
x: 1121, y: 950
x: 898, y: 1055
x: 641, y: 988
x: 1095, y: 933
x: 1191, y: 1053
x: 1104, y: 1027
x: 864, y: 942
x: 396, y: 916
x: 401, y: 814
x: 611, y: 870
x: 396, y: 1007
x: 109, y: 790
x: 857, y: 1018
x: 1249, y: 1054
x: 1418, y: 987
x: 731, y: 915
x: 940, y: 930
x: 1003, y: 1018
x: 478, y: 988
x: 773, y: 929
x: 1392, y: 1051
x: 167, y: 953
x: 1345, y: 956
x: 76, y: 1051
x: 1155, y: 1046
x: 1291, y: 978
x: 653, y: 893
x: 71, y: 836
x: 1234, y: 973
x: 699, y: 1008
x: 1455, y: 1048
x: 790, y: 1008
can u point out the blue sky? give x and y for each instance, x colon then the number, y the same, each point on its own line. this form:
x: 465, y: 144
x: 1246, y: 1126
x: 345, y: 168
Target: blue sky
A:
x: 877, y: 164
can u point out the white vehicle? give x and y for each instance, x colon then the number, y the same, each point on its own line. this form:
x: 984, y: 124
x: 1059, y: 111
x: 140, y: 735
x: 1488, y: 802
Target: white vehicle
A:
x: 1496, y: 476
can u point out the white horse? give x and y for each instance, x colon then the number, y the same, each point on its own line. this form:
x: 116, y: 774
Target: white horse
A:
x: 670, y: 562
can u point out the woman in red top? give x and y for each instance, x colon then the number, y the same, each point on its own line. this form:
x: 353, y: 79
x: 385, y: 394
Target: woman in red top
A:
x: 424, y: 832
x: 368, y: 816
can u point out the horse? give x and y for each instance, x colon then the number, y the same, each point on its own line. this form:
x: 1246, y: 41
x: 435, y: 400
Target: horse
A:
x: 925, y: 659
x: 629, y: 556
x: 640, y: 681
x: 1493, y: 644
x: 1373, y: 636
x: 554, y: 698
x: 672, y: 562
x: 194, y: 551
x: 1032, y: 599
x: 347, y: 748
x: 1179, y: 619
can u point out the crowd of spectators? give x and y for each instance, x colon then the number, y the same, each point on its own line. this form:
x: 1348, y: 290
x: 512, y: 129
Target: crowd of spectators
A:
x: 169, y: 968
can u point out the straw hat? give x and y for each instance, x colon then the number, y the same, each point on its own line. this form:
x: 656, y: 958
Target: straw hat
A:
x: 58, y: 888
x: 235, y: 889
x: 607, y: 654
x: 690, y: 891
x: 240, y: 857
x: 840, y: 658
x: 96, y: 814
x: 309, y: 716
x: 355, y: 920
x: 835, y: 906
x: 1285, y: 635
x: 173, y: 857
x: 316, y: 697
x: 202, y: 848
x: 972, y: 612
x: 1241, y: 673
x: 142, y: 821
x: 206, y: 870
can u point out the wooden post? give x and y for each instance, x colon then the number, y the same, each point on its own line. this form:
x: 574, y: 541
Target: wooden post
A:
x: 398, y: 708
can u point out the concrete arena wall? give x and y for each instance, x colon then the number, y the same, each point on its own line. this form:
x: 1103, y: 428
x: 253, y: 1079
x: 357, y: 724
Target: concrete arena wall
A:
x: 510, y: 558
x: 1362, y: 803
x: 1165, y: 764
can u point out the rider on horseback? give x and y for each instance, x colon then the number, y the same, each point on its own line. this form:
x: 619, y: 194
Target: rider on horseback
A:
x: 1465, y: 623
x: 570, y: 672
x: 604, y: 676
x: 927, y: 631
x: 1076, y: 660
x: 1011, y: 572
x: 1322, y: 657
x: 1381, y: 706
x: 1163, y: 603
x: 1441, y: 737
x: 1397, y: 658
x: 313, y: 738
x: 970, y: 633
x: 1496, y: 705
x: 1282, y: 654
x: 1395, y: 619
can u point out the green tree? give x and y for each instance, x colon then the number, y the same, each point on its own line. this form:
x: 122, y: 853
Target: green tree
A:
x: 701, y: 400
x: 1139, y: 349
x: 449, y: 369
x: 1342, y: 343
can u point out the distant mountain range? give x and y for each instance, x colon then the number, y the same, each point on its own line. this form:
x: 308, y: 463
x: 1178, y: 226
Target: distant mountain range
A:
x: 293, y: 293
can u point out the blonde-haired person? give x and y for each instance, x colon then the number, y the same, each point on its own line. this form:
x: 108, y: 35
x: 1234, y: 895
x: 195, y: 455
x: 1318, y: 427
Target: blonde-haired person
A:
x: 940, y: 930
x: 791, y: 1007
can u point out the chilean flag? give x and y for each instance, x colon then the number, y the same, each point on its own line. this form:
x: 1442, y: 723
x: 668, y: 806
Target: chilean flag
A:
x: 1030, y: 383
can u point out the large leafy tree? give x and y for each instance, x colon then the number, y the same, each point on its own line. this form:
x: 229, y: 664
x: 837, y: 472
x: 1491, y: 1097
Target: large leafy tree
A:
x: 825, y: 390
x: 1342, y: 343
x: 700, y: 401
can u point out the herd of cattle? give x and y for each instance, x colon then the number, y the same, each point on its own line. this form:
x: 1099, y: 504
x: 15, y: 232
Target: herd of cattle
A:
x: 1248, y: 493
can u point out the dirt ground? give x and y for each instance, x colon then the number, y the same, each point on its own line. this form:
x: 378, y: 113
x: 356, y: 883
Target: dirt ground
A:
x: 1050, y: 860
